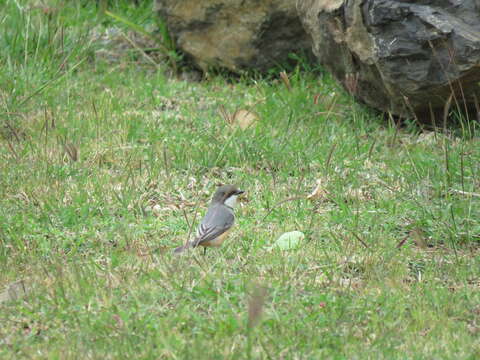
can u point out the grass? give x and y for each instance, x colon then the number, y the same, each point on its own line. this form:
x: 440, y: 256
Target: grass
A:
x: 102, y: 164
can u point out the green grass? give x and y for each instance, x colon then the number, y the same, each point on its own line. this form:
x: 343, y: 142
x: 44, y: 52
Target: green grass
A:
x: 389, y: 268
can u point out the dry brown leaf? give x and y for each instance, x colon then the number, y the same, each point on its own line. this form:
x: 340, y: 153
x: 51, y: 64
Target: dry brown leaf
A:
x: 286, y: 80
x: 244, y: 118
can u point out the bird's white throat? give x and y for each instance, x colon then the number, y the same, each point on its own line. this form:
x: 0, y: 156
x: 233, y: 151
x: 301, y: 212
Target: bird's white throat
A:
x: 231, y: 201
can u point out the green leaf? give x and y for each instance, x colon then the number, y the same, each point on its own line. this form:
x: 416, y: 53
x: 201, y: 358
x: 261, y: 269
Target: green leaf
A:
x: 289, y: 240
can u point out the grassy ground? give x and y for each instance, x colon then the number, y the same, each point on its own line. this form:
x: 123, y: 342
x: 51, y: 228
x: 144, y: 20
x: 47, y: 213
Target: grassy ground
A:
x: 104, y: 164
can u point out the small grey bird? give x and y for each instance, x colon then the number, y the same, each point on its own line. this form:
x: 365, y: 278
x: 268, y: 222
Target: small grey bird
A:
x: 218, y: 221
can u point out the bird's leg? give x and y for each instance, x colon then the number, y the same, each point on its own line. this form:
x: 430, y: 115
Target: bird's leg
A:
x: 204, y: 250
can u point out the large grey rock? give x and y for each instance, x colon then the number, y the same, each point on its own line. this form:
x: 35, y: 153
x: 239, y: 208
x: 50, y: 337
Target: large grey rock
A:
x: 403, y: 57
x: 235, y: 34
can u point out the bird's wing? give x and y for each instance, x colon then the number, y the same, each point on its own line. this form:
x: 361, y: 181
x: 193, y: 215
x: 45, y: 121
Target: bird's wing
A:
x: 217, y: 220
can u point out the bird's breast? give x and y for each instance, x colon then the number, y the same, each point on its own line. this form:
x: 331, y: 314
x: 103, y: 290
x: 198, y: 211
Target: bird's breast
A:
x: 218, y: 241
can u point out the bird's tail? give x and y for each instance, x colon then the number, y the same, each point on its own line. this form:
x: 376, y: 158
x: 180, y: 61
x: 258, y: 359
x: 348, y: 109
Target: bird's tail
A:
x: 181, y: 249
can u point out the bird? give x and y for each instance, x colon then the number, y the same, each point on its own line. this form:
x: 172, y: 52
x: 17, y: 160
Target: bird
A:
x: 217, y: 222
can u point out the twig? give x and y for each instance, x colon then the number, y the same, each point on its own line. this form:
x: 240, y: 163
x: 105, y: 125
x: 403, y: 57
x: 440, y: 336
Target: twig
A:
x: 186, y: 218
x: 329, y: 157
x: 466, y: 193
x: 400, y: 244
x: 144, y: 54
x: 281, y: 202
x: 190, y: 225
x: 360, y: 239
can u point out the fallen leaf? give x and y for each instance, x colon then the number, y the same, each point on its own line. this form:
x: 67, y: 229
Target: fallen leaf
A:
x: 286, y: 80
x: 289, y: 240
x: 244, y: 118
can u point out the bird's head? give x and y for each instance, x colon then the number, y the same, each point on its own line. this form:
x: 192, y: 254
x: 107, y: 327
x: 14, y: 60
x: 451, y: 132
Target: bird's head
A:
x: 227, y: 195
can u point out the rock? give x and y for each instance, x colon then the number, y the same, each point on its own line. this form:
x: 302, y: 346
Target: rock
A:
x: 235, y: 34
x: 397, y: 56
